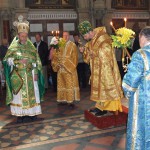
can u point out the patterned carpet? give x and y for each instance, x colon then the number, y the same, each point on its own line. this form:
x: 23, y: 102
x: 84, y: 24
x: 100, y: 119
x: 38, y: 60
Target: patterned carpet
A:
x: 60, y: 128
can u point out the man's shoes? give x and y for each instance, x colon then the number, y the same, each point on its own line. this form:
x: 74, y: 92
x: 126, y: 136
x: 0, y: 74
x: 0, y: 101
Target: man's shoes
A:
x: 20, y: 119
x: 97, y: 112
x: 71, y: 105
x: 94, y: 110
x: 33, y: 118
x: 61, y: 103
x: 100, y: 113
x: 26, y: 119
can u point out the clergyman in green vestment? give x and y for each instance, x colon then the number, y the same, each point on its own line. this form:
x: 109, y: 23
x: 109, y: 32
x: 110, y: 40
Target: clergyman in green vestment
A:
x: 23, y: 72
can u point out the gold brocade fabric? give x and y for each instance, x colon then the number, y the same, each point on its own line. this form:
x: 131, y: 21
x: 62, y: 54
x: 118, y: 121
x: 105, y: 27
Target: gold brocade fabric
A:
x: 67, y: 79
x: 105, y: 77
x: 109, y: 105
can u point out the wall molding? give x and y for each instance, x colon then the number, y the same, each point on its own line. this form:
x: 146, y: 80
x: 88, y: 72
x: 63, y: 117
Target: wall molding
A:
x: 131, y: 15
x: 52, y: 15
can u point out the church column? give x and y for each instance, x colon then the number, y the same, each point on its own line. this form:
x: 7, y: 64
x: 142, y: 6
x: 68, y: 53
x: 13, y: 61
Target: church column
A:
x: 6, y: 30
x: 21, y: 4
x: 108, y: 16
x: 21, y: 10
x: 83, y: 10
x: 5, y: 19
x: 91, y: 12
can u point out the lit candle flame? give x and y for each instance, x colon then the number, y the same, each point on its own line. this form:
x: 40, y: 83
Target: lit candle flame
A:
x: 125, y: 20
x: 111, y: 23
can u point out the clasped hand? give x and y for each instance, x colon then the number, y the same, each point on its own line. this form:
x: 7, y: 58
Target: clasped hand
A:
x: 81, y: 49
x: 91, y: 54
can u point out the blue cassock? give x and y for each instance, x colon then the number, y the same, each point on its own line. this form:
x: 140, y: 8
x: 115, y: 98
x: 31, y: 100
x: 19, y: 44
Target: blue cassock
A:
x: 136, y: 86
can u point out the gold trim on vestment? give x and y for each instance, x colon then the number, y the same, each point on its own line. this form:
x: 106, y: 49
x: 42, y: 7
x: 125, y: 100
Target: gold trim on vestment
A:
x: 25, y: 107
x: 129, y: 87
x: 65, y: 101
x: 39, y: 113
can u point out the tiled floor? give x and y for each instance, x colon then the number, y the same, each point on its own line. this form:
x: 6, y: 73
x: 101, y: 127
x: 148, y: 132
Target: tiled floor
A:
x: 60, y: 128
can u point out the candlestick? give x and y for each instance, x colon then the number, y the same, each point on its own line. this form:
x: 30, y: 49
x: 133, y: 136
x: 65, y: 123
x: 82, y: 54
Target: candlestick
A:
x: 111, y: 23
x: 52, y: 33
x: 125, y: 20
x: 56, y: 33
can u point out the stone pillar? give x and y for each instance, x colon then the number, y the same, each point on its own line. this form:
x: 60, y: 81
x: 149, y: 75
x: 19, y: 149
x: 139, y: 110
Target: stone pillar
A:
x: 5, y: 24
x: 21, y: 3
x: 83, y: 10
x: 91, y: 12
x: 4, y: 8
x: 108, y: 4
x: 4, y: 3
x: 6, y: 30
x: 21, y: 10
x: 108, y: 16
x: 107, y: 20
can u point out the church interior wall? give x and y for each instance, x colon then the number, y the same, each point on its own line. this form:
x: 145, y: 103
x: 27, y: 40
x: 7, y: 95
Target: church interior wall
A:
x: 69, y: 13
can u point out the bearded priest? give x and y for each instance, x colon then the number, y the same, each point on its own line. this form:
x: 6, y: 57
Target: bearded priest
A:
x: 23, y: 72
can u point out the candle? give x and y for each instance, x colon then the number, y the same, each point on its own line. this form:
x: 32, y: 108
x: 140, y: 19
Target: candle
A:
x: 125, y: 20
x: 56, y: 33
x: 111, y: 23
x: 52, y: 33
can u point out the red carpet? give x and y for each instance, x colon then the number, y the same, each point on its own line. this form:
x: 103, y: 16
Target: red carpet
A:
x: 107, y: 120
x: 125, y: 109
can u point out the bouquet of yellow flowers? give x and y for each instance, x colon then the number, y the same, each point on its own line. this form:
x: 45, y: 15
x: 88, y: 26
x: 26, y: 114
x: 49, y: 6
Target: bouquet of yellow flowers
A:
x: 123, y: 38
x: 56, y: 43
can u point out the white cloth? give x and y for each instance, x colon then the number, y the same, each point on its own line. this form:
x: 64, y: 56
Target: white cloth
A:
x: 17, y: 99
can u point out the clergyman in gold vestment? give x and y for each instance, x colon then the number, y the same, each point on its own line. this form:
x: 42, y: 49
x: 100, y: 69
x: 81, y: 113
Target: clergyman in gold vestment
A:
x: 106, y: 88
x: 64, y: 62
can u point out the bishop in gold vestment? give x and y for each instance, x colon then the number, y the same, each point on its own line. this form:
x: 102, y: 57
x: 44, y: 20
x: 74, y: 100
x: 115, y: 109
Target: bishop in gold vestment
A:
x: 64, y: 62
x: 105, y: 77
